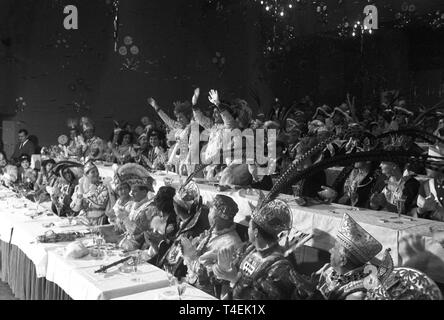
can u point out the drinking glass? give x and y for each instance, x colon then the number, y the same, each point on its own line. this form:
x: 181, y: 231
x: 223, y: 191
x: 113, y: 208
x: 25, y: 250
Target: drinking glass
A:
x: 400, y: 205
x: 438, y: 233
x: 170, y: 275
x: 181, y: 287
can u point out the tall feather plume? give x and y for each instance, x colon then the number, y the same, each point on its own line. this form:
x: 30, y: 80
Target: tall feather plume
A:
x: 294, y: 167
x: 414, y: 133
x: 295, y: 175
x: 202, y: 166
x: 436, y: 107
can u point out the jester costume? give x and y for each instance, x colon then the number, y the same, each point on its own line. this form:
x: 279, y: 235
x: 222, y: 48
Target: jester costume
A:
x: 268, y: 274
x: 359, y: 247
x: 91, y: 199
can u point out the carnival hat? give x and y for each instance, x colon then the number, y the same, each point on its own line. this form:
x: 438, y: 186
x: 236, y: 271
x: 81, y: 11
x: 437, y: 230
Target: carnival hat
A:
x: 25, y: 157
x: 134, y: 175
x: 323, y: 110
x: 225, y: 207
x: 360, y: 245
x: 274, y: 217
x: 187, y: 195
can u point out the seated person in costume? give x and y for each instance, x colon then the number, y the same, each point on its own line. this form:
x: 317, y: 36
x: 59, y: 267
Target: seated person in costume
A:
x: 93, y: 147
x: 46, y: 177
x: 157, y: 155
x: 400, y: 191
x: 91, y: 197
x: 26, y: 175
x: 306, y: 156
x: 61, y: 192
x: 140, y: 154
x: 259, y: 270
x: 164, y: 225
x: 122, y: 207
x: 193, y: 221
x: 8, y: 172
x: 141, y: 209
x: 200, y: 254
x: 430, y: 200
x: 343, y: 278
x: 124, y: 149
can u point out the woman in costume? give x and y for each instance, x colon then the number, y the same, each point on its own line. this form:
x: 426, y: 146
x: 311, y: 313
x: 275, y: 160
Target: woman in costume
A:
x: 61, y: 192
x: 45, y: 178
x: 179, y: 127
x: 124, y: 149
x: 26, y: 175
x: 8, y: 172
x: 91, y: 197
x: 157, y: 155
x: 140, y: 210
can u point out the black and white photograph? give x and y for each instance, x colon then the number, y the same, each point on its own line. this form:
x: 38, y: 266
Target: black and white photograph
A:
x: 210, y: 152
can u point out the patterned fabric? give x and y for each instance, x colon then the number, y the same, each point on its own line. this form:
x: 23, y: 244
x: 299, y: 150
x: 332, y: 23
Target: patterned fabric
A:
x: 360, y: 245
x: 274, y: 217
x: 226, y: 207
x: 334, y: 286
x: 406, y: 284
x: 267, y: 276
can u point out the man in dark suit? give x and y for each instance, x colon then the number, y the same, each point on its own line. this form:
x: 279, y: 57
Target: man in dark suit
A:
x: 25, y: 146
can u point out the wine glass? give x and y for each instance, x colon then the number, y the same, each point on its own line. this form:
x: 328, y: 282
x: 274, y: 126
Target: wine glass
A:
x: 181, y: 287
x: 400, y: 205
x: 438, y: 233
x: 170, y: 275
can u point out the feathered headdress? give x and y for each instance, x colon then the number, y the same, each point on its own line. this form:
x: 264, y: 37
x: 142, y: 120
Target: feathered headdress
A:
x: 134, y: 175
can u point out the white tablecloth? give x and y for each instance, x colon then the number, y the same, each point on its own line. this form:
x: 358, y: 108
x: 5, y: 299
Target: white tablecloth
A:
x: 324, y: 220
x: 191, y: 293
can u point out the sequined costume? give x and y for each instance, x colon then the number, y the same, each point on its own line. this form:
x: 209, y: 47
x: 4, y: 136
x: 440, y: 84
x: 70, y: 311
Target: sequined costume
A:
x: 359, y: 248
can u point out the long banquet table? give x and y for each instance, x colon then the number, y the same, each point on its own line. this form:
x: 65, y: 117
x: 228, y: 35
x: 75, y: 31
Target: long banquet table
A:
x: 39, y: 271
x: 324, y: 220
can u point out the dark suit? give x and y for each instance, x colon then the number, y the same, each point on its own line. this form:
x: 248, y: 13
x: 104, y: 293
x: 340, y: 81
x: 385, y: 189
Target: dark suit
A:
x: 27, y: 147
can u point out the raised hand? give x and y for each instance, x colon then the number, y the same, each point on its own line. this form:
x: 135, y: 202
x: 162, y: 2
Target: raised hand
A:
x: 188, y: 249
x: 176, y: 104
x: 213, y: 97
x: 152, y: 103
x: 195, y: 96
x: 225, y: 258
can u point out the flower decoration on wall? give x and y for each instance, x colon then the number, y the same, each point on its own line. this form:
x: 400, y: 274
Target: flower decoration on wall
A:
x: 321, y: 10
x: 130, y: 53
x: 344, y: 28
x: 436, y: 19
x: 405, y: 16
x: 20, y: 104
